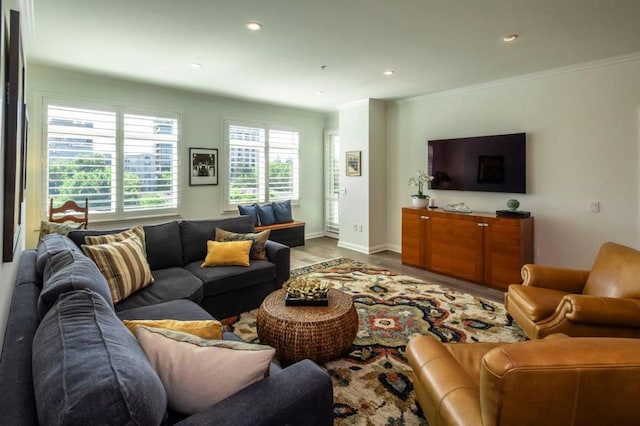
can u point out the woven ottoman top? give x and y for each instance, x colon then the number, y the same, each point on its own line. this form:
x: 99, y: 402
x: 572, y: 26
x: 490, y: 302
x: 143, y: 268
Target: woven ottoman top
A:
x: 319, y: 333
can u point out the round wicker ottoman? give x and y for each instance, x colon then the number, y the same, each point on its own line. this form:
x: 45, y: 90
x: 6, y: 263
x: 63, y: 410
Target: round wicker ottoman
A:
x: 319, y: 333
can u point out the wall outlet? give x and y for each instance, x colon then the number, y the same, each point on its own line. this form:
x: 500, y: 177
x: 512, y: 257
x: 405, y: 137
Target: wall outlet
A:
x: 359, y: 228
x: 594, y: 206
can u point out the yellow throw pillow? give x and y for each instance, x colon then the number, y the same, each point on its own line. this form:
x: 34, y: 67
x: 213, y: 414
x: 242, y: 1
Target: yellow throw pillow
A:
x: 227, y: 253
x: 123, y: 265
x: 206, y: 329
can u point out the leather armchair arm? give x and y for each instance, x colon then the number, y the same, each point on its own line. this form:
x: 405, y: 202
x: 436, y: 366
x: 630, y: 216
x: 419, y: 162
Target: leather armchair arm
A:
x: 516, y: 379
x: 602, y: 311
x: 567, y: 280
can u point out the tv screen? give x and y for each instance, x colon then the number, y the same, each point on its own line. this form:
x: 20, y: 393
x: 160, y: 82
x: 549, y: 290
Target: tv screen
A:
x: 485, y: 163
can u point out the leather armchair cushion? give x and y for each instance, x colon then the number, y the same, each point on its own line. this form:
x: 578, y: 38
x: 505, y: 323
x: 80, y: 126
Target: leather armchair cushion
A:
x: 536, y: 302
x: 615, y: 273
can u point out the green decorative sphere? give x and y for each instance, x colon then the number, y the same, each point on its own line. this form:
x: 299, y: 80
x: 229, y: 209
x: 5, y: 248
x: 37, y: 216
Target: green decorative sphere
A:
x: 513, y: 204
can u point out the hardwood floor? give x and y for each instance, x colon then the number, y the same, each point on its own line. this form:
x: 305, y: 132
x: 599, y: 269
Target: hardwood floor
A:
x: 324, y: 248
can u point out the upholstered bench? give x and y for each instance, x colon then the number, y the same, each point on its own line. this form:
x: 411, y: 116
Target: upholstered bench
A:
x: 290, y: 233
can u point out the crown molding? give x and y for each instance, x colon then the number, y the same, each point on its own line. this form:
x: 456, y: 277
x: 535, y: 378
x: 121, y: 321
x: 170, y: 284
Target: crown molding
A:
x: 526, y: 77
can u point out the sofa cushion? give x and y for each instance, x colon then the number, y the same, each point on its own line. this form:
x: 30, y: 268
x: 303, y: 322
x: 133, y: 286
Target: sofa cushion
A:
x: 169, y: 284
x: 196, y: 233
x: 89, y: 369
x: 267, y: 215
x: 206, y: 329
x: 68, y: 271
x: 252, y: 211
x: 259, y: 241
x: 159, y: 237
x: 123, y: 264
x: 198, y: 373
x: 183, y: 310
x: 227, y: 253
x: 282, y: 211
x: 231, y: 278
x: 47, y: 228
x: 48, y: 246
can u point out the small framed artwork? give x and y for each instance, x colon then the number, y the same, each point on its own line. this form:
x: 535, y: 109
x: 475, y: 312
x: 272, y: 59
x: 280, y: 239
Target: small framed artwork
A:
x: 204, y: 166
x: 353, y: 163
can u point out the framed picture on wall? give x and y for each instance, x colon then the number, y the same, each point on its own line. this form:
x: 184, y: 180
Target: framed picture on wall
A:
x: 203, y: 168
x: 353, y: 166
x: 14, y: 150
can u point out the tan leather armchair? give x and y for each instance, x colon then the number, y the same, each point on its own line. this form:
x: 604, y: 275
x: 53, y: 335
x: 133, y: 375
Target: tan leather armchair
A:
x: 604, y: 301
x: 559, y: 380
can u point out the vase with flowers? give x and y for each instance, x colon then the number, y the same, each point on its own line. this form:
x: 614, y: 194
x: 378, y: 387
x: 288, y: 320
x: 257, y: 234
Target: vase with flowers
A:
x: 420, y: 199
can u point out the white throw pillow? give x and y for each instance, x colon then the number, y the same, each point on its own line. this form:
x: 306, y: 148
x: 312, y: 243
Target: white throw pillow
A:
x: 198, y: 373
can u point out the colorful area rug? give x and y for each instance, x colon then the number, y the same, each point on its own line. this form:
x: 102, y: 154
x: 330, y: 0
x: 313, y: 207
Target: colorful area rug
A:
x: 372, y: 382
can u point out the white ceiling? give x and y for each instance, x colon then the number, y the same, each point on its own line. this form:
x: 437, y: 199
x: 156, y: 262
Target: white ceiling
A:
x: 433, y: 45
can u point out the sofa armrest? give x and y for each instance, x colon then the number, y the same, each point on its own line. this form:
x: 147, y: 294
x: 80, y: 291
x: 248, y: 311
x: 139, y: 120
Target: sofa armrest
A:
x: 300, y: 394
x: 603, y: 311
x: 280, y: 255
x: 567, y: 280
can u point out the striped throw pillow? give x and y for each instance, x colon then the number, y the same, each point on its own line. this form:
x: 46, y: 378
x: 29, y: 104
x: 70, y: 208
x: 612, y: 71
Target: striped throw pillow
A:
x: 136, y: 231
x: 123, y: 264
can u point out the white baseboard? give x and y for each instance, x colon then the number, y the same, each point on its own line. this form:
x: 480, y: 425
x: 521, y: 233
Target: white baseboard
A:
x: 310, y: 235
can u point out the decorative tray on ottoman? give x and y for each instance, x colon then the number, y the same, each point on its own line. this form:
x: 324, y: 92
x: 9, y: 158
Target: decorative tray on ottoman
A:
x: 298, y: 301
x: 306, y: 292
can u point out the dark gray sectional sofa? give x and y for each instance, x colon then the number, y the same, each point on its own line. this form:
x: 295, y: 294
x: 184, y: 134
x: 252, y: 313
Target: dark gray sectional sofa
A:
x: 68, y: 359
x: 175, y: 251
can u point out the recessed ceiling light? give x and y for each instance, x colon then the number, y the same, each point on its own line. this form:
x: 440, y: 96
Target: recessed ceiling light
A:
x: 254, y: 26
x: 318, y: 92
x: 196, y: 65
x: 510, y: 37
x: 389, y: 72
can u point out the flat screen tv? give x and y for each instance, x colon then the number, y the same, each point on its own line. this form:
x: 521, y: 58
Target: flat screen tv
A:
x: 485, y: 163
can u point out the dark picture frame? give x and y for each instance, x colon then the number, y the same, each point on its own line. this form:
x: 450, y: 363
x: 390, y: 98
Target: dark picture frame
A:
x: 353, y: 163
x: 13, y: 141
x: 203, y: 166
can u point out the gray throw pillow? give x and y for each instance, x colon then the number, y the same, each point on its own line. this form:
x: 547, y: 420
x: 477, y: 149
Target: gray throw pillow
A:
x: 89, y: 369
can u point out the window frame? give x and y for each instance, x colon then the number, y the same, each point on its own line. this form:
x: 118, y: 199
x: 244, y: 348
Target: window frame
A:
x: 267, y: 127
x: 120, y: 110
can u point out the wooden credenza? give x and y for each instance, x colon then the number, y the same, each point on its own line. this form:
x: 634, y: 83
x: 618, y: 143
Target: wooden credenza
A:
x: 478, y: 246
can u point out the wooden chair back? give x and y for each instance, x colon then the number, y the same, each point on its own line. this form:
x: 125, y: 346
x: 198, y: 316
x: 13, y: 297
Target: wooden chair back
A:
x: 69, y: 211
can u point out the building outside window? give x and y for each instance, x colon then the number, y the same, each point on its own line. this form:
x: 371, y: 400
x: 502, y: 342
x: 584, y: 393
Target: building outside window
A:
x: 125, y: 164
x: 263, y: 164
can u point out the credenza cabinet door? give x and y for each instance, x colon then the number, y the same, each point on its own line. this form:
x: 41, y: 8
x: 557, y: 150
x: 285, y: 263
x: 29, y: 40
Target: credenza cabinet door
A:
x: 508, y: 244
x: 413, y: 236
x: 467, y: 245
x: 477, y: 247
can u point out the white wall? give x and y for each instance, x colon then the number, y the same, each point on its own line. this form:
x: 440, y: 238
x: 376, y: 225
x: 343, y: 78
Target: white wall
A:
x: 354, y: 197
x: 583, y: 133
x: 202, y: 127
x: 377, y: 167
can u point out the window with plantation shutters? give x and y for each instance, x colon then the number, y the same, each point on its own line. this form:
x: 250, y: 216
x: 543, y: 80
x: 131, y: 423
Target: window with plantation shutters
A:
x: 263, y: 164
x: 123, y: 163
